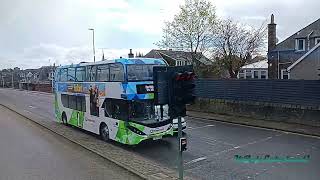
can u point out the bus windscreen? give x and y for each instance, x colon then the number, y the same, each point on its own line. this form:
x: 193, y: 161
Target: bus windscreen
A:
x: 140, y: 72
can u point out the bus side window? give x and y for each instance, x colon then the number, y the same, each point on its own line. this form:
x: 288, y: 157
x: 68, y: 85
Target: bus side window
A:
x: 73, y: 102
x: 91, y: 73
x: 107, y: 108
x: 80, y: 74
x: 63, y: 74
x: 103, y: 73
x: 57, y: 75
x: 71, y: 74
x: 116, y: 72
x: 64, y: 100
x: 81, y: 105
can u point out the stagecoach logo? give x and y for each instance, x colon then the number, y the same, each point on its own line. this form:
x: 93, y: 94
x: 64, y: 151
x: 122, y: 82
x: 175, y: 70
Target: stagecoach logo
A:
x: 149, y: 88
x: 145, y: 88
x: 156, y: 130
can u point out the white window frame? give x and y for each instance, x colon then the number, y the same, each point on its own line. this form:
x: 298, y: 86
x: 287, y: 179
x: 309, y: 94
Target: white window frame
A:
x: 248, y: 71
x: 258, y: 74
x: 284, y: 70
x: 315, y: 40
x: 297, y: 45
x: 265, y: 74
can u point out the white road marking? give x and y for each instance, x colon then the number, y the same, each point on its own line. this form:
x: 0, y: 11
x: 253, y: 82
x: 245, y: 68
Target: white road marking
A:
x: 32, y: 107
x: 27, y: 111
x: 209, y: 125
x: 241, y: 146
x: 217, y: 141
x: 196, y: 160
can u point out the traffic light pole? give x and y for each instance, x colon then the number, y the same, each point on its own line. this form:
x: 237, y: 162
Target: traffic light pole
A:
x: 180, y: 159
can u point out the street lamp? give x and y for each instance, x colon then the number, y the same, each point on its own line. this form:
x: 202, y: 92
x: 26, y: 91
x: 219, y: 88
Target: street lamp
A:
x: 94, y: 52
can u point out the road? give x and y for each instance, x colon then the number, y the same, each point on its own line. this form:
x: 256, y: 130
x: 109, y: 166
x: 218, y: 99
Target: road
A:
x: 29, y: 152
x: 211, y: 145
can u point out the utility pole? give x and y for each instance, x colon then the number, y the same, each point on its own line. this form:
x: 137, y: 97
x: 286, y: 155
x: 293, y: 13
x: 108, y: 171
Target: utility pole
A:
x: 2, y: 80
x: 12, y: 81
x: 180, y: 158
x: 94, y: 51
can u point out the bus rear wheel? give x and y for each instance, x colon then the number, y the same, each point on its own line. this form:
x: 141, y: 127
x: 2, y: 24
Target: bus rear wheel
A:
x: 104, y: 132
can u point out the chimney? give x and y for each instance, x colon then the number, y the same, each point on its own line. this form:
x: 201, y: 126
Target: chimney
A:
x: 131, y: 55
x: 272, y: 34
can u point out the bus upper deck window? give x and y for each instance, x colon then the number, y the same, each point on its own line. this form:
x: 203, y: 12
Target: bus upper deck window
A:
x: 63, y: 74
x: 103, y: 73
x: 116, y: 72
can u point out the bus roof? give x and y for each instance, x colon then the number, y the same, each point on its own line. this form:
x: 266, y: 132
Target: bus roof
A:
x: 125, y: 61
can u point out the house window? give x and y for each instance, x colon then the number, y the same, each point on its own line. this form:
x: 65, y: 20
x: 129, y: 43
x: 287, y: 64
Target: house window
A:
x: 241, y: 74
x: 182, y: 63
x: 284, y: 74
x: 300, y: 44
x: 248, y: 74
x: 316, y: 41
x: 256, y: 74
x: 263, y: 74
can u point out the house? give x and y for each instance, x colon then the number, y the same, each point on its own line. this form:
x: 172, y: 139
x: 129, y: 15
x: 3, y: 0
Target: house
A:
x: 256, y: 70
x: 179, y: 58
x: 298, y: 56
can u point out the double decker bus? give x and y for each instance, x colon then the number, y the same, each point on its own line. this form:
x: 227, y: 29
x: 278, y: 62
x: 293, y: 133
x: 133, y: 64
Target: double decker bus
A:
x: 114, y: 99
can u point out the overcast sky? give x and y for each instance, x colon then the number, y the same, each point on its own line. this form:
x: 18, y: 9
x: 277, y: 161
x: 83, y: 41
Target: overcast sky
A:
x: 38, y: 32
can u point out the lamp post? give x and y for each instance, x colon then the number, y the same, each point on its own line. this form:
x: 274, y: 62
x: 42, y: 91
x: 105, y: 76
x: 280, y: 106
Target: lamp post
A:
x: 94, y: 51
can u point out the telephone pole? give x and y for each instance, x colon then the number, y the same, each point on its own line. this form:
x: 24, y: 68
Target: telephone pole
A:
x: 12, y: 81
x: 94, y: 51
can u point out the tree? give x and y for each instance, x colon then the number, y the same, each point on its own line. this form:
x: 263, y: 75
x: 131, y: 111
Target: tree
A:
x: 191, y: 29
x: 236, y: 44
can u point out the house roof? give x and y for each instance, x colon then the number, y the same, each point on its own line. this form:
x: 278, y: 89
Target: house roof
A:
x: 289, y: 44
x: 303, y: 57
x: 177, y: 55
x: 257, y: 65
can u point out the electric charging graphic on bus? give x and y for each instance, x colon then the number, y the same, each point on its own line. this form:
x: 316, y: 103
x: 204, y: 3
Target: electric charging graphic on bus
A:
x: 114, y: 99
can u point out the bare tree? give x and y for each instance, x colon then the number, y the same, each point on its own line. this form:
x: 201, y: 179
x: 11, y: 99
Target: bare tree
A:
x: 191, y: 29
x: 236, y: 44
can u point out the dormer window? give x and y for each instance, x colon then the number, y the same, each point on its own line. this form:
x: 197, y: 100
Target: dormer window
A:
x: 316, y: 41
x: 300, y: 44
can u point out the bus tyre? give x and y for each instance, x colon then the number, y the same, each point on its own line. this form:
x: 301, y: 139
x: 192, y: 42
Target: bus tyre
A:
x: 64, y: 119
x: 104, y: 132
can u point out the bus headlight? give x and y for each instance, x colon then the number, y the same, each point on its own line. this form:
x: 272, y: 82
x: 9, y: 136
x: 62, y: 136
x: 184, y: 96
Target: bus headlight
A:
x: 135, y: 130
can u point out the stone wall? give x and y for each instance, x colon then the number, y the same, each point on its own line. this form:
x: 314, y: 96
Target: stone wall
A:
x: 307, y: 115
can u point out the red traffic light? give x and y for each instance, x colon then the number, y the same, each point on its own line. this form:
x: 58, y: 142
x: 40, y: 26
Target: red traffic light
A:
x: 190, y: 76
x: 184, y: 76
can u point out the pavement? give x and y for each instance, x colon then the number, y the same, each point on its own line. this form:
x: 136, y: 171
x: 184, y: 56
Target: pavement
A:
x: 30, y: 152
x: 212, y: 145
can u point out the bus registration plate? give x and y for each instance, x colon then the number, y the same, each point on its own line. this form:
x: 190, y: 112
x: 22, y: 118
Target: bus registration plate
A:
x: 157, y: 138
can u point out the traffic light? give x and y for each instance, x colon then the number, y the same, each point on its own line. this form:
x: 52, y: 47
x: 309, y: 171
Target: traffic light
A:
x: 174, y: 86
x: 183, y: 88
x: 188, y: 85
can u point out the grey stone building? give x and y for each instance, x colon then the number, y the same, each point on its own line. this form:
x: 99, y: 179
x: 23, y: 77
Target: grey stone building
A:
x: 298, y: 56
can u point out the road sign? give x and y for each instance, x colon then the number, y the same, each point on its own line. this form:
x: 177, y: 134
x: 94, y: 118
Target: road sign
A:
x: 183, y: 144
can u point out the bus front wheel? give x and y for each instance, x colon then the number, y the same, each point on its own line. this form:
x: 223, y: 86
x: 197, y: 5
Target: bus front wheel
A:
x: 104, y: 132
